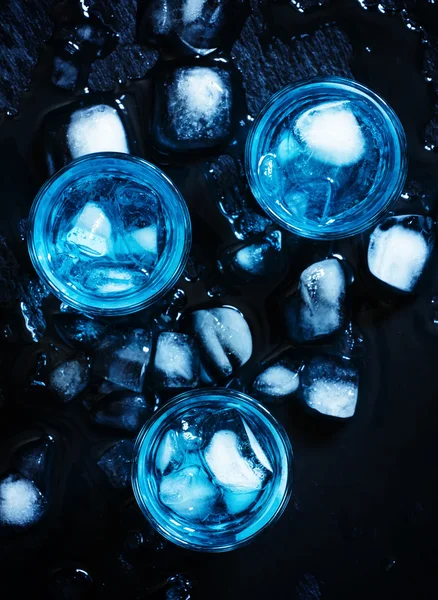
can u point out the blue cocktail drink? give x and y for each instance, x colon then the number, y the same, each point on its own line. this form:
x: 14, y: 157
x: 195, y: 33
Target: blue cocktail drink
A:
x: 110, y: 234
x: 212, y: 469
x: 326, y: 158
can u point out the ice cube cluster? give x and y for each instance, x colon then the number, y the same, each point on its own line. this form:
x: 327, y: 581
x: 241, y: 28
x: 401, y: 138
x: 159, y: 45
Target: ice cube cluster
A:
x: 108, y: 243
x: 222, y: 469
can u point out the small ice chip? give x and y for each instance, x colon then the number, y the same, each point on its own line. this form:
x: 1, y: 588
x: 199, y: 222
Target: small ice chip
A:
x: 189, y: 493
x: 21, y: 502
x: 399, y: 249
x: 331, y: 133
x: 96, y: 129
x: 277, y: 381
x: 92, y: 231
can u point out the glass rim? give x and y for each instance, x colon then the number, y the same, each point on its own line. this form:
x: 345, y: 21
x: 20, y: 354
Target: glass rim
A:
x: 205, y: 393
x: 139, y: 299
x: 386, y: 110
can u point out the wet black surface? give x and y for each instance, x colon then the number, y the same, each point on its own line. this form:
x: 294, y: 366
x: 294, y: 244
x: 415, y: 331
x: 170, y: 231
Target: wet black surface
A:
x: 362, y: 521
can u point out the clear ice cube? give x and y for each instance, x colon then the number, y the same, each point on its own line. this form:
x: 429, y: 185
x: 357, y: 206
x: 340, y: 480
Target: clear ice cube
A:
x: 69, y: 379
x: 21, y: 502
x: 78, y: 330
x: 193, y: 109
x: 318, y: 309
x: 122, y: 410
x: 176, y: 362
x: 189, y: 493
x: 96, y: 129
x: 399, y: 250
x: 331, y: 387
x: 237, y: 503
x: 123, y: 360
x: 224, y: 337
x: 34, y: 460
x: 116, y: 463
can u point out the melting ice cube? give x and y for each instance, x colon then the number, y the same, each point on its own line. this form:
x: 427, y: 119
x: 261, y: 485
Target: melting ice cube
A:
x: 176, y: 360
x: 21, y: 502
x: 92, y: 231
x: 234, y: 455
x: 96, y: 129
x: 169, y: 452
x: 224, y: 336
x: 116, y: 463
x: 319, y: 308
x: 69, y: 379
x: 122, y: 410
x: 277, y: 382
x: 124, y: 360
x: 189, y: 492
x: 399, y: 250
x: 331, y: 388
x: 331, y: 133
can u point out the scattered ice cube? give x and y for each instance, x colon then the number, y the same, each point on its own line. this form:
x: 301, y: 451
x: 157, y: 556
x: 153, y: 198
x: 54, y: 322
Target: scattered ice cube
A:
x: 259, y: 260
x: 189, y: 493
x: 72, y: 583
x: 179, y: 587
x: 332, y: 133
x: 318, y: 309
x: 34, y: 460
x: 331, y: 387
x: 169, y: 452
x: 234, y: 455
x: 78, y: 330
x: 176, y: 360
x: 69, y: 379
x: 399, y: 250
x: 21, y: 502
x: 92, y: 231
x: 124, y: 360
x: 277, y: 382
x: 96, y: 129
x: 237, y: 503
x: 122, y: 410
x: 116, y: 463
x: 196, y: 110
x: 224, y: 336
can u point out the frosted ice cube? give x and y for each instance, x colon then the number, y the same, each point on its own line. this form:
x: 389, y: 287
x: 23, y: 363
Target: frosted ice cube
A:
x: 399, y: 250
x: 124, y: 360
x: 69, y: 379
x: 21, y: 502
x: 235, y: 458
x: 168, y: 452
x: 224, y: 336
x: 192, y: 10
x: 176, y: 360
x: 92, y: 231
x: 189, y: 493
x: 331, y: 388
x: 116, y: 463
x: 96, y: 129
x: 277, y: 381
x: 319, y: 308
x: 331, y: 133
